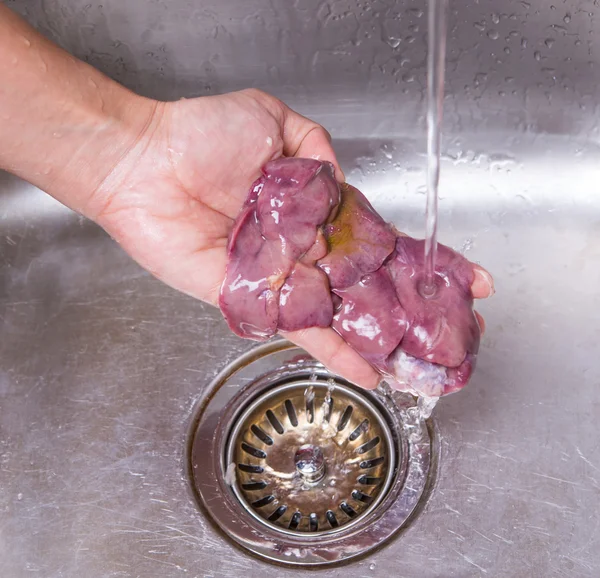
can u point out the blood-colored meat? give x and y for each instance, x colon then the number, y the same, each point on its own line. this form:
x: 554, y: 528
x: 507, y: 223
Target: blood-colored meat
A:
x: 307, y: 252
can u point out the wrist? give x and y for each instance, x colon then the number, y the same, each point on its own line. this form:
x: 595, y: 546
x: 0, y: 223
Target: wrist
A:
x: 100, y: 140
x: 65, y: 127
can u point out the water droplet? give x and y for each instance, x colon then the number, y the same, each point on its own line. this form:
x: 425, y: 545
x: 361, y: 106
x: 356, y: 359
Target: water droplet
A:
x: 480, y: 78
x: 549, y: 42
x: 523, y: 42
x: 26, y: 41
x: 515, y: 268
x: 466, y: 246
x: 567, y: 18
x: 386, y: 153
x: 393, y: 42
x: 493, y: 34
x: 506, y: 50
x: 269, y: 141
x: 371, y: 566
x: 57, y: 134
x: 408, y: 77
x: 537, y: 55
x: 495, y: 18
x: 480, y: 26
x: 513, y: 33
x: 19, y: 496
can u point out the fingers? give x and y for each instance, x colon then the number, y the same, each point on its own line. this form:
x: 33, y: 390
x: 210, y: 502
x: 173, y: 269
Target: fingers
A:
x: 483, y: 283
x: 482, y: 287
x: 331, y: 350
x: 481, y: 322
x: 307, y: 139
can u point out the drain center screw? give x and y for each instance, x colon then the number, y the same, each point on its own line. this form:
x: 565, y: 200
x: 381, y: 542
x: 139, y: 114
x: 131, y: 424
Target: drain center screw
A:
x: 310, y: 463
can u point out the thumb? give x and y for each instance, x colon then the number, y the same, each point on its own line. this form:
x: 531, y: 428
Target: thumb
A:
x: 305, y: 138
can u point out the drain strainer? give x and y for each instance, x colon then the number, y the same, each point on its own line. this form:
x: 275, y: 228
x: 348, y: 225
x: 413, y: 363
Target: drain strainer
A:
x: 300, y: 466
x: 311, y: 457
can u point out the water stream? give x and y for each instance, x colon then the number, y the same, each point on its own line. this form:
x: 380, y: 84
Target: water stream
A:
x: 436, y: 58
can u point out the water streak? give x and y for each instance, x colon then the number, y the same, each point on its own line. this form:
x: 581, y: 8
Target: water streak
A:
x: 436, y: 58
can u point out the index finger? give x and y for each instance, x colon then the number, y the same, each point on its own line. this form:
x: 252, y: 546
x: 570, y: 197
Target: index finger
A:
x: 330, y: 349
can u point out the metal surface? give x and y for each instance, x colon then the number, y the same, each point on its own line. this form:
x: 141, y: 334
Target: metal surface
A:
x: 309, y: 463
x: 245, y: 478
x: 319, y: 469
x: 101, y: 365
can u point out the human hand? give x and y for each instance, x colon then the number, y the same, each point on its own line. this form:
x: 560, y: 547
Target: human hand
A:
x: 172, y: 200
x: 166, y: 180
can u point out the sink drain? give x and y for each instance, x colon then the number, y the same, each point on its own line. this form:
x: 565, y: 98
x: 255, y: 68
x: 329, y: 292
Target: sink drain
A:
x: 298, y: 465
x: 311, y: 457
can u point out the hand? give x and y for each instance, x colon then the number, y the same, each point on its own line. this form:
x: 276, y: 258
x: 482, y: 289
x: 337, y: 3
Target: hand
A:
x: 165, y: 180
x: 172, y: 200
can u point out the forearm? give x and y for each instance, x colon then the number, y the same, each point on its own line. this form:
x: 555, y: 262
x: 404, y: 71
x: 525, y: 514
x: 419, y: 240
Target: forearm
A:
x: 64, y: 126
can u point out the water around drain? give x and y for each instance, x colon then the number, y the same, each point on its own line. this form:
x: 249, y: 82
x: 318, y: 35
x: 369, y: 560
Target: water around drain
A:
x: 301, y: 467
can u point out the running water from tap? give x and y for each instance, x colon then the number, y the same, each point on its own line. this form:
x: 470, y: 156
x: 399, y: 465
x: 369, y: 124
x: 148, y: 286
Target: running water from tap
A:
x: 436, y: 61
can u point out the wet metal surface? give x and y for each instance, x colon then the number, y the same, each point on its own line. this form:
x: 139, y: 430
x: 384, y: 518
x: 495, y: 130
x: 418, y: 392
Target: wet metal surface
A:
x: 101, y: 365
x: 313, y: 466
x: 289, y: 520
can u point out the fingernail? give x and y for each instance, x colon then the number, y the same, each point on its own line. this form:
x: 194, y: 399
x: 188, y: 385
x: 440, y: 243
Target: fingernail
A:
x: 487, y: 278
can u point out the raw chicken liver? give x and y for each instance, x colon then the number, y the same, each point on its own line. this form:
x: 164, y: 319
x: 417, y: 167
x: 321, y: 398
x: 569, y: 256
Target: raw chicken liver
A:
x: 308, y: 252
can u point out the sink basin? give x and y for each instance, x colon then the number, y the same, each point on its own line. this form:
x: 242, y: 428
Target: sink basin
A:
x: 101, y: 365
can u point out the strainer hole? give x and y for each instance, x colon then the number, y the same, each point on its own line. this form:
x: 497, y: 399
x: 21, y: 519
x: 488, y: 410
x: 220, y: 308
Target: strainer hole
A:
x: 332, y: 519
x: 373, y: 463
x: 345, y: 418
x: 275, y: 423
x: 313, y: 523
x: 263, y: 501
x: 291, y: 411
x: 262, y: 435
x: 277, y: 514
x: 327, y: 409
x: 362, y: 428
x: 254, y: 486
x: 369, y: 445
x: 368, y: 480
x: 348, y: 510
x: 250, y: 469
x: 295, y: 520
x: 254, y: 452
x: 309, y: 396
x: 361, y: 497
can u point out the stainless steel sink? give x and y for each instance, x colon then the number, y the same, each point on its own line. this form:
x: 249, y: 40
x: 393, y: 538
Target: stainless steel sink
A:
x: 101, y: 365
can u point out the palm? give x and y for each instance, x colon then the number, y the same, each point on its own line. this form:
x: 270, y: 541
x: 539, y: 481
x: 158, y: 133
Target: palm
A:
x: 175, y: 207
